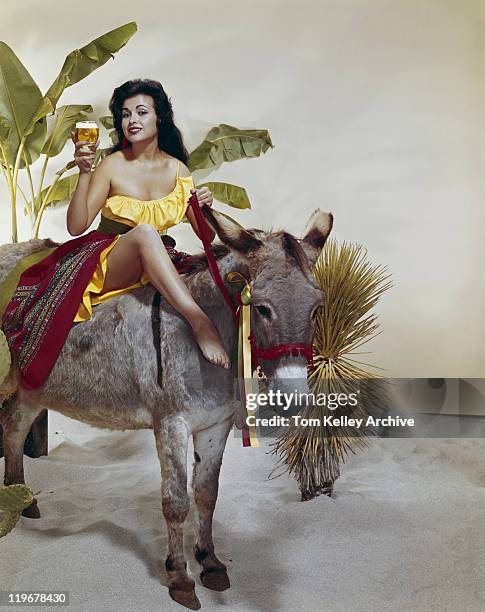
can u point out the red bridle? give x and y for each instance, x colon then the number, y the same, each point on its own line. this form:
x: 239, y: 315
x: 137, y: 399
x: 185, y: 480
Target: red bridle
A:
x: 257, y: 353
x: 294, y: 349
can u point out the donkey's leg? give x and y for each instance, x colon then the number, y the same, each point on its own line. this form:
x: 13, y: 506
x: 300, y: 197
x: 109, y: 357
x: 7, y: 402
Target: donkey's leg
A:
x: 16, y: 418
x: 209, y: 446
x: 171, y: 438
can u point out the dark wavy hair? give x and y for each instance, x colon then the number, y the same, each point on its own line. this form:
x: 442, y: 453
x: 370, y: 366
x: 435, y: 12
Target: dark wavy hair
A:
x: 169, y: 136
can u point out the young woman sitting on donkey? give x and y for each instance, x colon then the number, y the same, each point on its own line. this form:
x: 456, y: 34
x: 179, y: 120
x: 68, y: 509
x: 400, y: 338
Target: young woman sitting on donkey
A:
x: 134, y: 189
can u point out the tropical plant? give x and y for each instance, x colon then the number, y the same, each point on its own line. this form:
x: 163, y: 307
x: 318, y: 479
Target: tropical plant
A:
x: 13, y: 500
x: 352, y: 287
x: 223, y: 143
x: 24, y: 134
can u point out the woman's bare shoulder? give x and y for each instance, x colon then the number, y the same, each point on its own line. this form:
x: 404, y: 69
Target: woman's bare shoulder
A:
x: 111, y: 167
x: 115, y: 159
x: 170, y: 163
x: 183, y: 170
x: 110, y: 162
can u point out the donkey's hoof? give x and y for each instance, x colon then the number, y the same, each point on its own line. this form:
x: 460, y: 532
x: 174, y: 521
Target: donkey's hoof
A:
x: 186, y: 598
x: 32, y: 511
x: 215, y: 579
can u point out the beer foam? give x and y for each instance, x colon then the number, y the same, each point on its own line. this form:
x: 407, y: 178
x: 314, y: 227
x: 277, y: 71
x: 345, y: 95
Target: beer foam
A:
x: 86, y: 124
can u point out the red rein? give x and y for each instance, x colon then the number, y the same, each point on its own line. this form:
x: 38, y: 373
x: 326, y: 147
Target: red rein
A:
x: 257, y: 354
x: 211, y: 260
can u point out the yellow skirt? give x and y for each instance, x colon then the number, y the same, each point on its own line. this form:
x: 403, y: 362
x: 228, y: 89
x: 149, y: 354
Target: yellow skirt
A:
x: 92, y: 297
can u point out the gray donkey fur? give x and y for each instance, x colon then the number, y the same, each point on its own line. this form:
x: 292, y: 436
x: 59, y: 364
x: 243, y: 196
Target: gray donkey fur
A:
x: 128, y: 369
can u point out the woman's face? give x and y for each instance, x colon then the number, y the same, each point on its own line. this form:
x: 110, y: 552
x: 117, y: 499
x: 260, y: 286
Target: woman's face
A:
x: 139, y: 119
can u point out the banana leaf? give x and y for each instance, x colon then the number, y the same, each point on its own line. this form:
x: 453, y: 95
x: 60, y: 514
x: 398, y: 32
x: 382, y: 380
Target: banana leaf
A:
x: 100, y: 153
x: 107, y: 122
x: 63, y: 190
x: 66, y: 118
x: 80, y: 63
x: 4, y: 129
x: 228, y: 143
x: 233, y: 195
x: 113, y: 137
x: 19, y: 98
x: 68, y: 166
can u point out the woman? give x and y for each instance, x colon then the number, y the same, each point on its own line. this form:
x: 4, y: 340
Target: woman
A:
x: 133, y: 187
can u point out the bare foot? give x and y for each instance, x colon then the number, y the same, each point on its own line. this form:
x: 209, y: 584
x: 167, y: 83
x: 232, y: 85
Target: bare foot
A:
x: 210, y: 344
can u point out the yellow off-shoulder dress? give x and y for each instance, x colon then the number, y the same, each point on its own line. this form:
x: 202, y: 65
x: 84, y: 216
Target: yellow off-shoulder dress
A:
x: 160, y: 214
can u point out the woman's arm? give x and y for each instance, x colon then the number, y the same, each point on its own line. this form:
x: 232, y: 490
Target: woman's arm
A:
x: 91, y: 191
x: 204, y: 196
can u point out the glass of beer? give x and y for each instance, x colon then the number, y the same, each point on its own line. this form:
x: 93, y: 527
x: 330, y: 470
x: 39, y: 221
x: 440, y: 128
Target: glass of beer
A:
x: 87, y: 131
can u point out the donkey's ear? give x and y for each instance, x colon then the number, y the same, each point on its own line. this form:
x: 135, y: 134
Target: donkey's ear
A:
x: 230, y: 232
x: 317, y: 230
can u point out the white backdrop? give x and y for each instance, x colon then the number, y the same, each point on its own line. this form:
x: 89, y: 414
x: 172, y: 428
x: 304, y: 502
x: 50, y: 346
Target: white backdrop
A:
x: 376, y: 111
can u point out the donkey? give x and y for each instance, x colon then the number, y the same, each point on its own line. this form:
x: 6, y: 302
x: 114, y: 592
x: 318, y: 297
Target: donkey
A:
x: 134, y: 365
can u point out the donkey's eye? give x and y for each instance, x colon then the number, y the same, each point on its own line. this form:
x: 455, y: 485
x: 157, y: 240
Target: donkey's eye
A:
x: 264, y: 311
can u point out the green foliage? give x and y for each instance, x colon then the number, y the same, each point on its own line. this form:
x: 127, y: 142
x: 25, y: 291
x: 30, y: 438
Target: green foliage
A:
x: 24, y: 133
x: 4, y: 129
x: 19, y: 98
x: 66, y: 118
x: 225, y: 143
x: 5, y: 359
x: 228, y: 143
x: 13, y: 499
x: 229, y: 194
x: 24, y: 110
x: 59, y: 191
x: 107, y: 122
x: 81, y: 62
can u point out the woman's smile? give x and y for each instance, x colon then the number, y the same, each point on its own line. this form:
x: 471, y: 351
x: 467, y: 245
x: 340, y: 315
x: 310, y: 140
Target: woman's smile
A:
x: 138, y: 117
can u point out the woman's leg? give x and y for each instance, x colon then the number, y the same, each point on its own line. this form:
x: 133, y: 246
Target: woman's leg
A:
x: 141, y: 249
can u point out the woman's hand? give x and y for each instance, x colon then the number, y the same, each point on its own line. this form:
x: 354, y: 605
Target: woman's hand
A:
x: 204, y: 196
x: 84, y: 154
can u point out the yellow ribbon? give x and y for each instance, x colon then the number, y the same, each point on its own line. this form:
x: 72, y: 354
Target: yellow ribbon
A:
x: 244, y: 348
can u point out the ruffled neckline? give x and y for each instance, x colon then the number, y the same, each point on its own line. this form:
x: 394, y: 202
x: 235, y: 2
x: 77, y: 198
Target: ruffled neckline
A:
x: 156, y: 201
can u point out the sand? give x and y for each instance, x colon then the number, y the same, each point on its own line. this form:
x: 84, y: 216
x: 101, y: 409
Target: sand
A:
x: 404, y: 531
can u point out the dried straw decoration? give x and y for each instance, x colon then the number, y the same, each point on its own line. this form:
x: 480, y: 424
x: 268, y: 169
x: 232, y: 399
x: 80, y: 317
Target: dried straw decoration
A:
x: 352, y: 287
